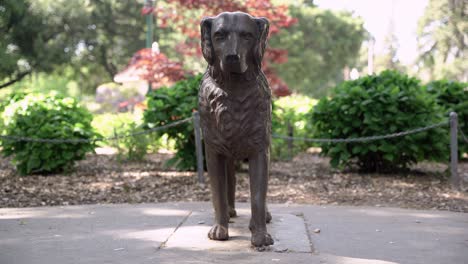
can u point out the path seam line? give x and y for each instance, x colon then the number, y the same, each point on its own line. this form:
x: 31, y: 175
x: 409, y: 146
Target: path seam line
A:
x: 163, y: 244
x: 309, y: 235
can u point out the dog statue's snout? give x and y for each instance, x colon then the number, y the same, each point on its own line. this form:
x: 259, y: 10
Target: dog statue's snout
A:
x: 232, y: 59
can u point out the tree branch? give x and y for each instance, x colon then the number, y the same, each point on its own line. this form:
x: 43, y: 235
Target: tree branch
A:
x: 18, y: 78
x: 108, y: 66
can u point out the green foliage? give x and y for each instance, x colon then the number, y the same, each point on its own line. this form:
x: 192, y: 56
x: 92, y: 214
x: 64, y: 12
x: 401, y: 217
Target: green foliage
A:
x: 11, y: 98
x: 43, y: 83
x: 169, y: 104
x: 95, y: 37
x: 8, y: 99
x: 132, y: 148
x: 107, y: 124
x: 453, y: 97
x: 442, y: 39
x: 296, y: 110
x: 388, y: 59
x: 116, y: 30
x: 377, y: 105
x: 34, y: 37
x: 61, y: 83
x: 46, y: 116
x: 319, y: 46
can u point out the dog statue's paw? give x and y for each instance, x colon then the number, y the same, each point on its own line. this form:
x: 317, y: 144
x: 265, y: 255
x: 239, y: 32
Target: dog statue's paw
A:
x: 268, y: 217
x: 232, y: 212
x: 261, y: 239
x: 218, y: 232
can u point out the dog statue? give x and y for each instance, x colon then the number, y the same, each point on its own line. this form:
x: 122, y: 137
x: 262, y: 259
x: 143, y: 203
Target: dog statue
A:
x: 235, y: 112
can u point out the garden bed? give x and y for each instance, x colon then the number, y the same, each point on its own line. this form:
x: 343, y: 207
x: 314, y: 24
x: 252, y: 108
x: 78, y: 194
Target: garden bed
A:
x: 306, y: 179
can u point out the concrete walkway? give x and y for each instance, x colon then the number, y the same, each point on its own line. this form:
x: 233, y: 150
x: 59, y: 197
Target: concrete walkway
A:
x: 176, y: 233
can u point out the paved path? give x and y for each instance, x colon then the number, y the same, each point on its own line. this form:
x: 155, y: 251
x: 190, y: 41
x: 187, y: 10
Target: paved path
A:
x: 176, y: 233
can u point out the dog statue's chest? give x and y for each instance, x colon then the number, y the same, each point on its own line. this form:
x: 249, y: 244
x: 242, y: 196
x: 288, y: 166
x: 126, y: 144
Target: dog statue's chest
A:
x: 235, y: 125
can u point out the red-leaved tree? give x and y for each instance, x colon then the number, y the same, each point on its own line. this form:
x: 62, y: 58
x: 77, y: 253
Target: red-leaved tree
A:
x: 185, y: 15
x: 157, y: 68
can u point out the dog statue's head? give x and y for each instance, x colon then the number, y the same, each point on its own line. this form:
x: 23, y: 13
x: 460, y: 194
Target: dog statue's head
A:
x: 233, y: 44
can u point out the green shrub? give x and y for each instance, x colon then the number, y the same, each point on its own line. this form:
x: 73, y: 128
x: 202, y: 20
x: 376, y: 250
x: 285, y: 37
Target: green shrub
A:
x: 108, y: 124
x: 135, y: 147
x: 9, y: 98
x: 131, y: 148
x: 294, y: 109
x: 46, y: 116
x: 169, y: 104
x: 453, y: 97
x: 378, y: 105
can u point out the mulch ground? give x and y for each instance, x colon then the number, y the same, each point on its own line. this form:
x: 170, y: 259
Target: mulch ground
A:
x: 306, y: 179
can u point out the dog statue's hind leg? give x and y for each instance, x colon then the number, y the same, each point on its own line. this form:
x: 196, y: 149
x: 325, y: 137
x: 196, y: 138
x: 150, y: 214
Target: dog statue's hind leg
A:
x: 216, y: 164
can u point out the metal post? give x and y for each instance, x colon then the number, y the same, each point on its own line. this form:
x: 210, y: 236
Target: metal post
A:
x: 455, y: 180
x: 149, y: 25
x: 290, y: 140
x: 198, y: 146
x: 149, y: 32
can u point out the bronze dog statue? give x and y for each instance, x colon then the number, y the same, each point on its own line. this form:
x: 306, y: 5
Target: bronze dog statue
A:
x: 235, y: 111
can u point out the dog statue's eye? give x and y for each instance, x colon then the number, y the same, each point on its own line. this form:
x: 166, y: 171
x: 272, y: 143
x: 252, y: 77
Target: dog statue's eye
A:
x: 246, y: 36
x: 219, y: 35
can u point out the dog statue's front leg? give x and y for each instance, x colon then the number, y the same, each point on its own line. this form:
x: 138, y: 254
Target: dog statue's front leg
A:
x: 216, y: 164
x: 231, y: 178
x: 258, y: 172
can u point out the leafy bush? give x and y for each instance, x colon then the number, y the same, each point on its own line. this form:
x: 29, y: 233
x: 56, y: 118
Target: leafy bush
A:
x: 378, y: 105
x: 453, y: 97
x: 294, y: 109
x: 108, y: 124
x: 133, y: 148
x: 10, y: 98
x: 46, y: 116
x: 169, y: 104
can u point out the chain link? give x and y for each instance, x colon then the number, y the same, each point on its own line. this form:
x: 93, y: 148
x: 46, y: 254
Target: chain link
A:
x: 176, y: 123
x: 364, y: 139
x: 78, y: 140
x: 463, y: 135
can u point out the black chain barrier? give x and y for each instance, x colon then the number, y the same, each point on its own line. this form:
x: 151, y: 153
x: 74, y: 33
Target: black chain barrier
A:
x: 463, y: 135
x: 80, y: 140
x: 176, y: 123
x: 365, y: 139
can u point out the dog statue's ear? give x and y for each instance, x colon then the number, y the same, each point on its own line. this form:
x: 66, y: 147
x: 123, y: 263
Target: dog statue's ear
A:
x: 206, y: 44
x: 263, y: 28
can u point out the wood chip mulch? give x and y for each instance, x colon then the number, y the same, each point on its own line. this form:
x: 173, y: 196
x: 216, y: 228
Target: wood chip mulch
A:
x: 306, y: 179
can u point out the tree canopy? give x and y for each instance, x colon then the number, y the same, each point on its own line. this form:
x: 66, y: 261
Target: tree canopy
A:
x: 182, y: 19
x: 95, y: 37
x: 30, y: 40
x: 388, y: 59
x: 319, y: 46
x: 442, y: 37
x: 98, y: 38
